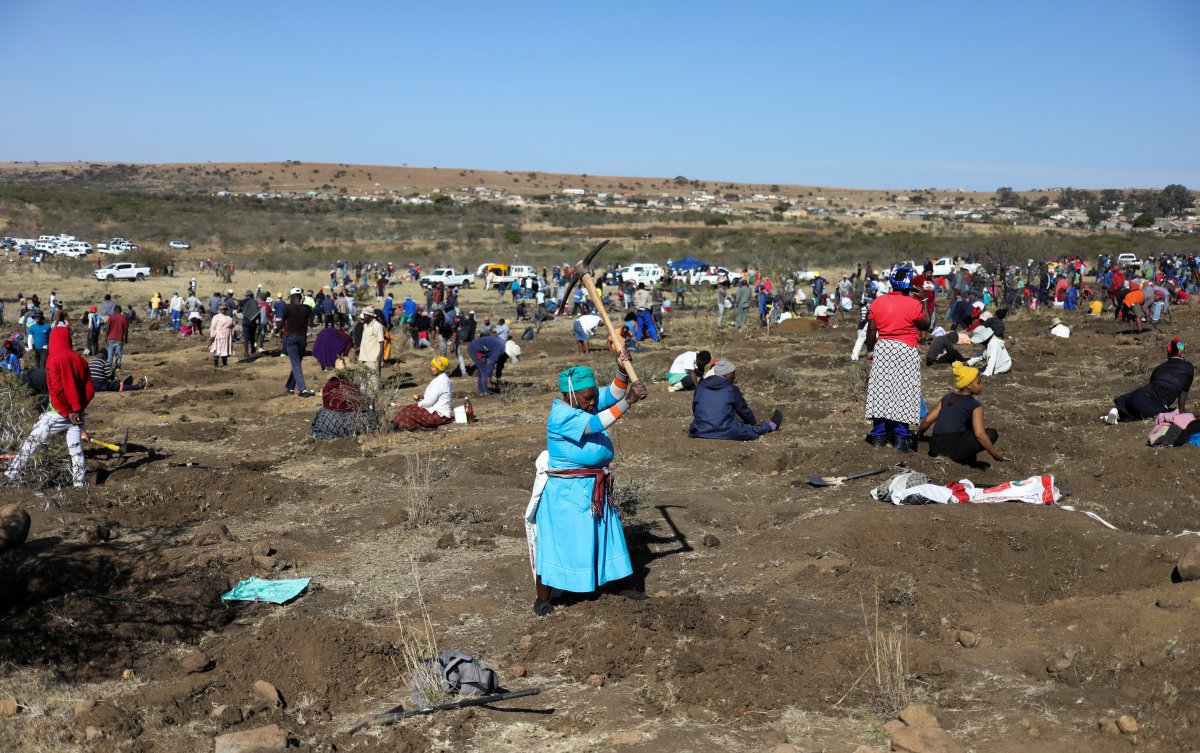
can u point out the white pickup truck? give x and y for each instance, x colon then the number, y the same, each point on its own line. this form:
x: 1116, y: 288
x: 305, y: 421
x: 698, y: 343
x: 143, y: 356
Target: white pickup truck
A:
x: 448, y: 277
x: 121, y: 270
x: 515, y: 272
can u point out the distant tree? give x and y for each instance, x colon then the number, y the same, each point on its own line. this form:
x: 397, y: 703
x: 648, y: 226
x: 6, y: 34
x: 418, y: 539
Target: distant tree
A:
x: 715, y: 220
x: 681, y: 181
x: 442, y: 199
x: 1076, y: 198
x: 1095, y: 214
x: 1145, y: 219
x: 781, y: 207
x: 774, y: 188
x: 1006, y: 197
x: 1111, y: 197
x: 1042, y: 201
x: 1174, y: 199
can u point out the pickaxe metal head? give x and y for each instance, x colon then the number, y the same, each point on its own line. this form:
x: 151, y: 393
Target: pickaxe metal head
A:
x: 577, y: 273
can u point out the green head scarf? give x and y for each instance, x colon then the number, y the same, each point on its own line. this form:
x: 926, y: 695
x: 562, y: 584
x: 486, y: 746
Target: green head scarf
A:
x: 576, y: 378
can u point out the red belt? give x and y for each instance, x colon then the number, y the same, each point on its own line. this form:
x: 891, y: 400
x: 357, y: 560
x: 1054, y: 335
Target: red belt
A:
x: 601, y: 488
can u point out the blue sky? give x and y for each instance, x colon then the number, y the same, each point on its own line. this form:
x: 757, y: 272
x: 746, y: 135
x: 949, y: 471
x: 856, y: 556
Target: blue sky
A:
x: 887, y: 95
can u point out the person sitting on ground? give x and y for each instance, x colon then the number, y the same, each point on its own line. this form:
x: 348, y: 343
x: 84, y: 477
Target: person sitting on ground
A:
x: 585, y: 326
x: 1169, y: 382
x: 104, y: 379
x: 994, y: 322
x: 9, y: 360
x: 1058, y: 329
x: 957, y: 420
x: 433, y: 408
x: 992, y: 351
x: 687, y: 370
x: 943, y: 349
x: 344, y: 411
x: 719, y: 411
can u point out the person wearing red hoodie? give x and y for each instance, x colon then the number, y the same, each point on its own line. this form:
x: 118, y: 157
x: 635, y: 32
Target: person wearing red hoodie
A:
x: 69, y: 383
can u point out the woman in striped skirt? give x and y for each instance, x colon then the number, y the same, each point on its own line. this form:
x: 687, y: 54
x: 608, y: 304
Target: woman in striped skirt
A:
x: 894, y: 386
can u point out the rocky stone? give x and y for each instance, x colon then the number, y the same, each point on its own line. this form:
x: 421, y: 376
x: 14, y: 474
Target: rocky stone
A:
x: 1061, y: 664
x: 266, y: 695
x: 9, y: 708
x: 128, y: 674
x: 761, y: 566
x: 1188, y: 565
x: 1108, y: 727
x: 210, y: 533
x: 967, y: 639
x: 516, y: 670
x: 14, y: 527
x: 1169, y: 602
x: 625, y: 737
x: 83, y: 707
x: 526, y: 642
x: 701, y: 713
x: 893, y: 725
x: 710, y: 541
x: 595, y: 681
x: 196, y: 663
x: 257, y: 740
x: 263, y: 562
x: 918, y: 715
x: 661, y: 594
x: 264, y: 549
x: 97, y: 533
x: 1150, y: 659
x: 92, y: 733
x: 1127, y: 724
x: 446, y: 541
x: 924, y: 740
x: 226, y: 714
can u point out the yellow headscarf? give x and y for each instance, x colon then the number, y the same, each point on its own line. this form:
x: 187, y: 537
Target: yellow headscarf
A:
x: 441, y: 363
x: 963, y: 374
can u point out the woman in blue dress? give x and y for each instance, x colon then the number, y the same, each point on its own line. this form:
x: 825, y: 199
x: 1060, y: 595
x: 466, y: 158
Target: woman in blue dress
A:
x: 580, y: 543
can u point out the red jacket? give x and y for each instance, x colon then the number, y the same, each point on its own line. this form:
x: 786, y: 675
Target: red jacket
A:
x: 68, y: 378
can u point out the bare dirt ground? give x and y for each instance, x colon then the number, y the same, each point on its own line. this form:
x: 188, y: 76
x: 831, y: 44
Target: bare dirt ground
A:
x: 761, y: 584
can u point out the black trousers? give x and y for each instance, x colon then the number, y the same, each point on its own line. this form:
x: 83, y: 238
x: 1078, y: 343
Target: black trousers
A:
x: 961, y: 447
x: 1136, y: 406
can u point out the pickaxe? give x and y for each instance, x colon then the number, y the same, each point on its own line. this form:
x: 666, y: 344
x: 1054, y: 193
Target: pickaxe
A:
x: 581, y: 273
x: 119, y: 449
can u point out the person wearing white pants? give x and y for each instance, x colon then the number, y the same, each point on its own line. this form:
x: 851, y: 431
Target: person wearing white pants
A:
x: 49, y: 424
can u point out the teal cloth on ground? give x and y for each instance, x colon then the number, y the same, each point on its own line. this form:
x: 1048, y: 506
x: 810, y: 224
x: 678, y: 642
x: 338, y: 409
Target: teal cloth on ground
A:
x: 274, y: 591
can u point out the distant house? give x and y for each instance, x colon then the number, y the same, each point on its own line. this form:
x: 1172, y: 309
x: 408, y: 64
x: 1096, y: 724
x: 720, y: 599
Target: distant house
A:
x: 574, y: 192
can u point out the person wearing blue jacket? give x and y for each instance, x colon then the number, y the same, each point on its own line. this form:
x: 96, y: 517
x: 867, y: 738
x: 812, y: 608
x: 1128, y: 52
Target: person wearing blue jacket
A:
x: 720, y: 412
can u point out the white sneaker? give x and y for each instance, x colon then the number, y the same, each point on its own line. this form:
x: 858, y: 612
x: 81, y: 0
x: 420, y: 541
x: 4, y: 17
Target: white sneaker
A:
x: 1111, y: 418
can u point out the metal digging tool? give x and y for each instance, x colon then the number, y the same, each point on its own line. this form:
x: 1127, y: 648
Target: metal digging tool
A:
x: 391, y: 717
x: 119, y: 449
x: 839, y: 480
x: 581, y: 274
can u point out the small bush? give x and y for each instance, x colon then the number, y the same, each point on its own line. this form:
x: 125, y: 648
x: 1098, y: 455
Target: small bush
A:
x: 630, y: 496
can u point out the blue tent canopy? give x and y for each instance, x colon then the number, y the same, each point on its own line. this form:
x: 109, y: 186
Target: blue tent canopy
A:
x: 688, y: 263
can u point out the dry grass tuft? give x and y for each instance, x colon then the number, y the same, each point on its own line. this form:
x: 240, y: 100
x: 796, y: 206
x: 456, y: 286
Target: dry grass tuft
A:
x: 421, y: 474
x: 887, y: 661
x: 419, y: 646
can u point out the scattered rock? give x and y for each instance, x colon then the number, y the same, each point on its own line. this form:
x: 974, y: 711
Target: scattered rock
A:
x: 264, y: 550
x: 266, y: 695
x: 9, y: 708
x: 918, y: 715
x: 701, y: 713
x: 1127, y: 724
x: 256, y: 740
x: 891, y: 726
x: 710, y: 541
x: 661, y: 594
x: 1108, y: 727
x: 97, y: 533
x: 517, y: 670
x: 226, y: 714
x: 527, y: 642
x: 82, y: 707
x: 1188, y: 565
x: 594, y: 680
x: 1169, y: 602
x: 967, y: 639
x: 210, y: 533
x: 924, y: 740
x: 446, y: 541
x: 196, y: 663
x: 1062, y: 664
x: 263, y: 562
x: 93, y: 733
x: 14, y: 527
x: 128, y: 674
x: 625, y: 737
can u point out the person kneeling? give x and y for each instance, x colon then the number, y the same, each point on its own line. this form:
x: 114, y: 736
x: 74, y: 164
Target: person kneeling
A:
x: 720, y: 412
x: 957, y: 421
x: 344, y: 411
x: 433, y: 409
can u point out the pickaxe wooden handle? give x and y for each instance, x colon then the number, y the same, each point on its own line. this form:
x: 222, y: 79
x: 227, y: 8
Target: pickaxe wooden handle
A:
x: 590, y: 286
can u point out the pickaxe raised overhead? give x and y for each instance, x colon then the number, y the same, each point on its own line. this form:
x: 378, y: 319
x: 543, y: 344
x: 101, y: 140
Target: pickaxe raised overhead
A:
x: 581, y: 274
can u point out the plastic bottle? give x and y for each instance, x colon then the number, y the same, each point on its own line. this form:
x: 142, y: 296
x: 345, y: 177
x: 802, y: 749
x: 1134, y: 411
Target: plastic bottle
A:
x: 470, y: 410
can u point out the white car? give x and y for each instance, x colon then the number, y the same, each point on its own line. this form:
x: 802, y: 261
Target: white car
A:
x: 74, y: 249
x: 448, y: 277
x: 711, y: 276
x: 121, y: 270
x: 944, y: 267
x: 1128, y: 260
x: 180, y: 245
x: 639, y: 273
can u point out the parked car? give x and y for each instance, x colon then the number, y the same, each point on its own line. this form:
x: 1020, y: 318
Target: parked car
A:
x: 447, y: 277
x: 180, y: 245
x: 515, y: 272
x: 711, y: 276
x: 1128, y: 260
x: 74, y: 249
x: 944, y: 267
x: 638, y: 273
x: 121, y: 270
x: 116, y: 249
x: 103, y: 245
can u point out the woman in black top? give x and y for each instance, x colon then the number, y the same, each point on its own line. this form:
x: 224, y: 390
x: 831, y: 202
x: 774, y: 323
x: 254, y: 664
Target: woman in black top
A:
x: 1170, y: 381
x: 957, y: 421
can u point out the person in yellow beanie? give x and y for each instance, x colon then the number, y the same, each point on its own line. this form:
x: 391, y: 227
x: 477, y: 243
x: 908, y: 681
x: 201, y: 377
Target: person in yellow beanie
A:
x: 957, y: 420
x: 433, y: 408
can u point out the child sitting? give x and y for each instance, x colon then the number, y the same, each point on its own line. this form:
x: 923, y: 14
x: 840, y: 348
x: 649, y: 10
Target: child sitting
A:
x: 957, y: 421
